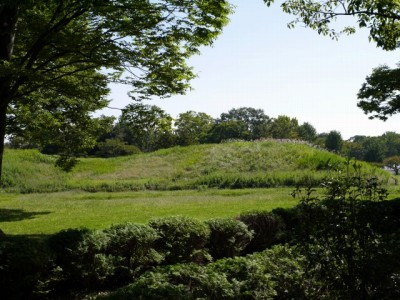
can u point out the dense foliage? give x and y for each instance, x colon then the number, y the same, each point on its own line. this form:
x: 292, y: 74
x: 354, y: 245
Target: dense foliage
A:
x: 57, y: 57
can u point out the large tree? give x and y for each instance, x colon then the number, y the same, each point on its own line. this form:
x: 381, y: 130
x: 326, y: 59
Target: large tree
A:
x: 284, y: 127
x: 147, y: 127
x: 192, y: 127
x: 334, y: 141
x: 48, y: 48
x: 256, y: 120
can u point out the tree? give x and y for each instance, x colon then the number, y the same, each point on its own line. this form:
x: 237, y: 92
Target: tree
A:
x: 147, y: 127
x: 374, y: 149
x: 284, y: 127
x: 256, y: 120
x: 353, y: 149
x: 50, y: 47
x: 192, y: 128
x: 226, y: 130
x: 334, y: 141
x: 393, y: 163
x: 392, y: 143
x: 380, y: 94
x: 307, y: 132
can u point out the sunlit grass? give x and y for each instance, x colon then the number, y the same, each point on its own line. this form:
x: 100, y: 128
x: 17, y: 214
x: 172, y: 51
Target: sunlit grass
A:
x: 49, y: 213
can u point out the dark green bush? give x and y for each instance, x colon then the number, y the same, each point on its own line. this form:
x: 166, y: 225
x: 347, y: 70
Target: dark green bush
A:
x: 267, y: 228
x: 67, y: 273
x: 181, y: 281
x: 133, y: 246
x: 228, y: 237
x: 91, y: 260
x: 277, y: 273
x: 24, y: 263
x: 182, y: 239
x: 350, y: 237
x: 115, y: 147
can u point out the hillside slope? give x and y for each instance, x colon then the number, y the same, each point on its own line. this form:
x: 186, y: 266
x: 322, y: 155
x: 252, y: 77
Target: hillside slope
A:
x: 227, y: 165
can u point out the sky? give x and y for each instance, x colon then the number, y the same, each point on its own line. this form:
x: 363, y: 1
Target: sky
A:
x: 258, y: 62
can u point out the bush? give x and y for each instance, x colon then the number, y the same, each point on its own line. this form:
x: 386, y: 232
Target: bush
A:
x: 182, y: 239
x: 276, y: 273
x: 91, y: 260
x: 115, y: 147
x: 133, y: 246
x: 349, y: 238
x: 181, y: 281
x: 267, y: 228
x: 24, y: 264
x: 228, y: 237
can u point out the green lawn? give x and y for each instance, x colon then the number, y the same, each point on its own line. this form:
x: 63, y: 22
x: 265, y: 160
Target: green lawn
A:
x: 49, y: 213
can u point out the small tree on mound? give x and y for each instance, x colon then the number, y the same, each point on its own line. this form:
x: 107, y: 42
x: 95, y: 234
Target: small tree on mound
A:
x: 393, y: 163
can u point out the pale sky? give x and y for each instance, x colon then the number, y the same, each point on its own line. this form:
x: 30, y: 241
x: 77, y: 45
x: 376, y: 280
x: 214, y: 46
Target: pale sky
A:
x: 258, y: 62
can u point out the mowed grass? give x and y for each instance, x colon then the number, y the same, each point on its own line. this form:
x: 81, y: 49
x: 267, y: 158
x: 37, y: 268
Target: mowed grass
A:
x: 52, y: 212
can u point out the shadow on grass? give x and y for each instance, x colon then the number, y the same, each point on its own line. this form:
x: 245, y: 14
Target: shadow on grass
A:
x: 13, y: 215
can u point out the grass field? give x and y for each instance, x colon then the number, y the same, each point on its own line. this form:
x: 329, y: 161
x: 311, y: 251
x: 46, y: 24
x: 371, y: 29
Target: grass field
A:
x: 49, y: 213
x: 204, y: 181
x: 52, y: 212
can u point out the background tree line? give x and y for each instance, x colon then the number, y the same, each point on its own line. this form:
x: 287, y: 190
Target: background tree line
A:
x: 145, y: 128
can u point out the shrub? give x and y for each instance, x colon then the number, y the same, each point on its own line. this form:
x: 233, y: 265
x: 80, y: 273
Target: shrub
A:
x: 350, y: 240
x: 115, y: 147
x: 112, y: 257
x: 181, y: 281
x: 276, y: 273
x: 182, y: 239
x: 24, y: 263
x: 133, y: 246
x: 67, y: 272
x: 228, y: 237
x: 267, y: 227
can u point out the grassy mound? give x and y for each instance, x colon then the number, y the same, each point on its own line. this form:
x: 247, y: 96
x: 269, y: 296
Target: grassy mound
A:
x: 229, y: 165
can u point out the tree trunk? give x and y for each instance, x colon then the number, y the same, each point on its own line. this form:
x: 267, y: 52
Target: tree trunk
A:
x: 8, y: 23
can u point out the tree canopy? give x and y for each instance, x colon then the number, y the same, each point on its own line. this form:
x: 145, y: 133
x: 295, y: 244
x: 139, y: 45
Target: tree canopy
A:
x: 67, y: 49
x: 380, y: 94
x: 147, y: 127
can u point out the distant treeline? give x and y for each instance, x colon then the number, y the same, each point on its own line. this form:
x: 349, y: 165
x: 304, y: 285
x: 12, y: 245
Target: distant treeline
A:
x: 145, y: 128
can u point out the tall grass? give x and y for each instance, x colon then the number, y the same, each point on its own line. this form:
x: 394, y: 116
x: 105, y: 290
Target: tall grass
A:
x: 227, y: 165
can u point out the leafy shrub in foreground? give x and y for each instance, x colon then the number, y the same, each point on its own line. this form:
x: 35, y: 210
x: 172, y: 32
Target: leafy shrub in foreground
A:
x: 267, y: 228
x: 24, y: 261
x: 181, y: 281
x: 228, y: 237
x: 133, y: 245
x: 112, y: 257
x: 182, y: 239
x: 276, y: 273
x: 352, y: 246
